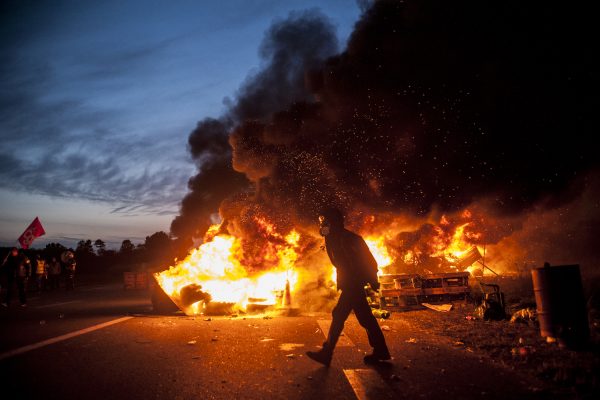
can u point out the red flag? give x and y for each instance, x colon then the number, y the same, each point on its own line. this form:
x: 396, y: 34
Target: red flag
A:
x: 35, y: 229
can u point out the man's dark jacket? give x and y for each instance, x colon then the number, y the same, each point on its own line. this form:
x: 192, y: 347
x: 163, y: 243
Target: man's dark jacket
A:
x: 352, y: 259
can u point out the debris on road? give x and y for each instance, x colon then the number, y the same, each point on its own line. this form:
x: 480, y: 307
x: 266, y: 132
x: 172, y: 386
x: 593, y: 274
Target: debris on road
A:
x: 191, y: 342
x: 524, y: 315
x: 290, y: 346
x: 411, y: 340
x: 385, y: 328
x: 492, y: 307
x: 438, y: 307
x: 378, y: 313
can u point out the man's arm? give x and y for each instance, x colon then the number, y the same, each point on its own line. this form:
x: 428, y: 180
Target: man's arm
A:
x: 367, y: 262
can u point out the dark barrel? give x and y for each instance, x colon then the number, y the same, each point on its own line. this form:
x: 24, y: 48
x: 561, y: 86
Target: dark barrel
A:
x: 561, y: 305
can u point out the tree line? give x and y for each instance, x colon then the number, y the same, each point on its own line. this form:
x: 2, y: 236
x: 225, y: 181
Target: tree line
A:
x: 156, y: 253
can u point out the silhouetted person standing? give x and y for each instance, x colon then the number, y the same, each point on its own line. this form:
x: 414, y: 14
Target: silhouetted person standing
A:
x: 355, y: 266
x: 41, y: 273
x: 69, y: 259
x: 16, y: 268
x: 54, y: 273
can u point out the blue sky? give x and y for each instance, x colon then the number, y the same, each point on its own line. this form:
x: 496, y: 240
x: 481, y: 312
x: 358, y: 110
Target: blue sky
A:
x: 97, y: 100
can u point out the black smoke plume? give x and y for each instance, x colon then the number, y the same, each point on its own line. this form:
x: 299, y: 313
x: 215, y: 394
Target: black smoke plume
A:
x: 290, y: 49
x: 433, y: 105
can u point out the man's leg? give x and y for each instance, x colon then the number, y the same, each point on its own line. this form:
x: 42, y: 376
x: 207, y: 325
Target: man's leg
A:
x: 339, y: 315
x: 367, y: 320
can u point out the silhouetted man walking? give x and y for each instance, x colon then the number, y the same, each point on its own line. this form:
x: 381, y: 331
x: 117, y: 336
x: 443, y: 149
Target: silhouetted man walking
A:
x: 355, y: 266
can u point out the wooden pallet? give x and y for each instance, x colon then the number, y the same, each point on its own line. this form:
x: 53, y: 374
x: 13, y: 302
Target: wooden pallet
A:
x: 410, y: 290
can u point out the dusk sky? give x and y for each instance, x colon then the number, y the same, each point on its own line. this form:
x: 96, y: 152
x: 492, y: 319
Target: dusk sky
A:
x: 97, y: 100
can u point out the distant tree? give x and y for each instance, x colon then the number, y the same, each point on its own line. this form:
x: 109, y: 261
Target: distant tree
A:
x: 53, y: 250
x: 127, y: 247
x: 157, y: 241
x: 85, y: 256
x: 109, y: 253
x: 158, y: 249
x: 100, y: 247
x: 84, y: 248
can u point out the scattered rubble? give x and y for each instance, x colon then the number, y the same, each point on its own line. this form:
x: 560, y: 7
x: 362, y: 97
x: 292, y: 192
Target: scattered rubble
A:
x: 517, y: 345
x: 524, y: 315
x: 438, y: 307
x: 290, y: 346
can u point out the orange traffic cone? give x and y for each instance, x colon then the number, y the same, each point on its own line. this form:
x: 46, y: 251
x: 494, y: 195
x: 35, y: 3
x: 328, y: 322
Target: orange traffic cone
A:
x: 286, y: 308
x: 286, y: 302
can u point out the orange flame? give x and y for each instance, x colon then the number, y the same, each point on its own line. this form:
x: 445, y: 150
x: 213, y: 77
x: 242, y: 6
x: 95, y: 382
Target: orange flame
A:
x: 379, y: 251
x: 216, y: 267
x: 221, y: 269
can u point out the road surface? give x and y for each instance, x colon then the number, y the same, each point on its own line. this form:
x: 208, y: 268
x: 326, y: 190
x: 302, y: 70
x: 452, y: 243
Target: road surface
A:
x: 103, y: 342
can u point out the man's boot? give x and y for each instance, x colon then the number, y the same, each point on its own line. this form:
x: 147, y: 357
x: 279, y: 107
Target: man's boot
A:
x: 377, y: 356
x: 322, y: 356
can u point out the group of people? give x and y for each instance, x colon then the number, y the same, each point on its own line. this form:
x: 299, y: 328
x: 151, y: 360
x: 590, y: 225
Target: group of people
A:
x: 18, y: 271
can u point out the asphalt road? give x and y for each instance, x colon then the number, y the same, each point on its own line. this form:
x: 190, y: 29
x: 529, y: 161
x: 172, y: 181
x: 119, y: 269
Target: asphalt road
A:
x: 102, y: 342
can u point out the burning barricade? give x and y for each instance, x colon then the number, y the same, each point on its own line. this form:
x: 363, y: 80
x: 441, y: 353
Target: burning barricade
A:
x: 222, y: 276
x: 212, y: 279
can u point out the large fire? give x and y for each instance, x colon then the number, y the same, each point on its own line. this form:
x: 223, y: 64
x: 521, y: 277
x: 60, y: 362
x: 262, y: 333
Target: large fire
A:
x: 217, y: 271
x: 215, y: 268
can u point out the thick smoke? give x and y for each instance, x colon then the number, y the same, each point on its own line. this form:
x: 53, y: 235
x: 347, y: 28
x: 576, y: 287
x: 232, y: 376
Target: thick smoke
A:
x: 291, y: 48
x: 432, y: 107
x: 435, y: 105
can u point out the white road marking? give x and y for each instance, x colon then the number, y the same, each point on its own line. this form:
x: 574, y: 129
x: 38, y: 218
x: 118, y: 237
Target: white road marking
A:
x: 59, y: 304
x: 367, y: 384
x: 343, y: 341
x: 57, y: 339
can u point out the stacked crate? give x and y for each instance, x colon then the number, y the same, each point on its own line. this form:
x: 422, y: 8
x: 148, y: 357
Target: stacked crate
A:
x: 408, y: 291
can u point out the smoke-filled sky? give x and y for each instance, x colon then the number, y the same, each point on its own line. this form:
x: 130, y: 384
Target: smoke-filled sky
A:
x: 431, y: 107
x: 98, y: 98
x: 121, y: 119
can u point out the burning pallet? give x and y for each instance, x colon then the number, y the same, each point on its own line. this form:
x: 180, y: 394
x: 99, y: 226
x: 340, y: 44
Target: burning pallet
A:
x: 407, y: 291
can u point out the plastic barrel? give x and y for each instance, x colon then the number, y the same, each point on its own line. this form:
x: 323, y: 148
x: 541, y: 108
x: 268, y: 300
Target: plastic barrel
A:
x: 560, y: 304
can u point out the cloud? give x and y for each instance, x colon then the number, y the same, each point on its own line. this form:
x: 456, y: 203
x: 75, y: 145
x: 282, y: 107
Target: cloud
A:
x: 61, y: 146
